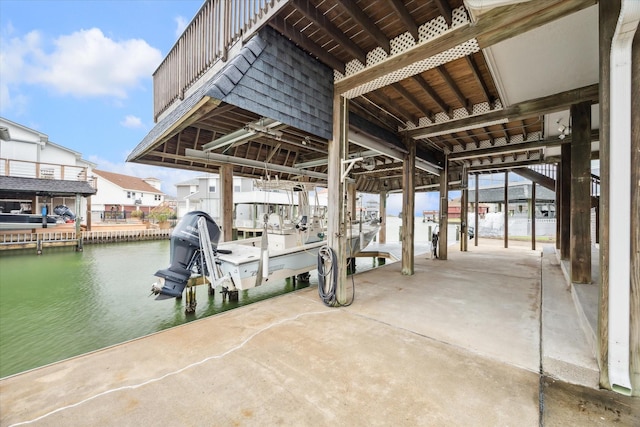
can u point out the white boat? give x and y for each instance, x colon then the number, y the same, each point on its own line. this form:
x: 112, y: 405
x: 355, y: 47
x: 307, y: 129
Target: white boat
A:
x: 285, y: 249
x: 23, y: 221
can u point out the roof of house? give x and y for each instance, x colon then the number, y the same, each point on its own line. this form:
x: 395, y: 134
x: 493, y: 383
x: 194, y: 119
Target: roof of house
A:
x: 127, y: 182
x: 52, y: 187
x: 517, y: 192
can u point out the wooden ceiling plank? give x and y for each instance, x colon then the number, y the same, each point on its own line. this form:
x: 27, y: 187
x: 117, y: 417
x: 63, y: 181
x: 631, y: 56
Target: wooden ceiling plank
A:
x: 334, y: 32
x: 495, y: 21
x: 366, y: 24
x: 279, y: 24
x: 507, y: 137
x: 406, y: 18
x: 478, y: 76
x: 520, y: 146
x: 412, y: 99
x: 380, y: 98
x: 445, y: 10
x: 426, y: 87
x: 274, y: 150
x: 446, y: 77
x: 522, y: 110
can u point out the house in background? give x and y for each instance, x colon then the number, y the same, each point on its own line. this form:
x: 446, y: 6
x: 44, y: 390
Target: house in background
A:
x: 124, y: 194
x: 35, y: 172
x: 203, y: 194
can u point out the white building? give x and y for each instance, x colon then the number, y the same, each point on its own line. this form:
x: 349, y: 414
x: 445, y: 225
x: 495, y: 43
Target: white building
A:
x: 35, y: 172
x: 124, y: 193
x: 203, y: 194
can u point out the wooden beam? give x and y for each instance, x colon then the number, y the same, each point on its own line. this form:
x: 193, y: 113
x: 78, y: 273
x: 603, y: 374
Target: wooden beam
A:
x: 479, y: 80
x: 367, y: 25
x: 334, y: 32
x: 581, y: 193
x: 405, y: 17
x: 445, y: 10
x: 408, y: 207
x: 226, y: 201
x: 382, y: 234
x: 565, y: 203
x: 280, y: 25
x: 412, y: 100
x: 522, y: 110
x: 494, y: 21
x: 446, y: 77
x: 379, y: 97
x: 336, y: 230
x: 532, y: 215
x: 444, y: 211
x: 506, y: 209
x: 433, y: 95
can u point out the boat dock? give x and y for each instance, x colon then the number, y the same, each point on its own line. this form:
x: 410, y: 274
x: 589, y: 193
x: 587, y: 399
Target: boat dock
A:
x: 42, y: 238
x: 469, y: 341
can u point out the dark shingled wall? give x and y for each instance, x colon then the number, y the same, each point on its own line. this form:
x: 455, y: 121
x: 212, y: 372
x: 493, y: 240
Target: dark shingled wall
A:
x: 282, y: 82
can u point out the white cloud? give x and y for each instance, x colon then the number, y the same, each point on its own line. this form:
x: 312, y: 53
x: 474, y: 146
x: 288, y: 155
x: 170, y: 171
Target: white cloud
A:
x: 85, y: 63
x: 132, y: 122
x: 181, y: 24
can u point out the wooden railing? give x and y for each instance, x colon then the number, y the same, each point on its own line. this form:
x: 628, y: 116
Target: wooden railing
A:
x: 27, y: 169
x: 215, y: 28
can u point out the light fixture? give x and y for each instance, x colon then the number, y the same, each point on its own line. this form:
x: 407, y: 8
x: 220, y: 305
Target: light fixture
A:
x: 563, y: 129
x: 4, y: 133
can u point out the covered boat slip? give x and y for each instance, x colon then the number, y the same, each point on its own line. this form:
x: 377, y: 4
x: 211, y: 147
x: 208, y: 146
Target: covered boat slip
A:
x: 469, y: 332
x: 418, y: 97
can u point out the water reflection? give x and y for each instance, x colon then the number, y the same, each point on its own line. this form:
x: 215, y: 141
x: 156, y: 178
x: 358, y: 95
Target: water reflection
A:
x: 66, y: 303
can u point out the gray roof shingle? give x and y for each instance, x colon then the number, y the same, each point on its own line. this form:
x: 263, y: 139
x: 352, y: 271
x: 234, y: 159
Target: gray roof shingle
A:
x: 54, y: 187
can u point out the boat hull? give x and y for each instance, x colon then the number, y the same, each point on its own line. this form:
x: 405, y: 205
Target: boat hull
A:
x: 10, y: 221
x: 243, y: 263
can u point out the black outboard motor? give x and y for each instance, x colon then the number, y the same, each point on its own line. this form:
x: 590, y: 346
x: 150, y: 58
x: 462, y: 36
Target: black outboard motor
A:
x: 64, y: 212
x: 185, y: 254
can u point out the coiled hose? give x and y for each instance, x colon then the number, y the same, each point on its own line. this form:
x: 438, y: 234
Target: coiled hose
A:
x: 328, y: 278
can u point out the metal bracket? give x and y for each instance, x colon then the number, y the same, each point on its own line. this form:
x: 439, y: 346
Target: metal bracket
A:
x: 350, y: 163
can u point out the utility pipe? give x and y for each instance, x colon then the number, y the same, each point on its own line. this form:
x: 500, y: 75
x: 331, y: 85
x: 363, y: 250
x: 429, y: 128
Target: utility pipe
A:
x: 620, y: 189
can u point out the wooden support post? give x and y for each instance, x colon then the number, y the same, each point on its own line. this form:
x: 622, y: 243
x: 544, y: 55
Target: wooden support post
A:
x: 506, y: 209
x: 580, y: 230
x: 382, y: 234
x: 79, y: 246
x: 464, y: 211
x: 352, y: 211
x: 608, y: 17
x: 477, y: 205
x: 408, y: 215
x: 336, y: 216
x: 444, y: 210
x: 533, y: 216
x: 226, y: 202
x: 565, y: 202
x: 558, y: 205
x: 89, y: 219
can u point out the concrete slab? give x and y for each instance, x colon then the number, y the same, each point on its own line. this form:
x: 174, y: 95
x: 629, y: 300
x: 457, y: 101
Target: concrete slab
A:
x: 458, y: 343
x: 566, y: 351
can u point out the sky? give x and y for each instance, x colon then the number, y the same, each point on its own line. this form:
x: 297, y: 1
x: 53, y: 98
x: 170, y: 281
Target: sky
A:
x: 81, y: 72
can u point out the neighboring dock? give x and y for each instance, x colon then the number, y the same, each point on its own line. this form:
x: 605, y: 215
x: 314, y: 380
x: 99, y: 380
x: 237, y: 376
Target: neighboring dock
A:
x: 65, y: 235
x: 469, y: 341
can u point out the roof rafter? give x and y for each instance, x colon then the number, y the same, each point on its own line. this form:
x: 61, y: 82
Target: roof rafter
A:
x: 322, y: 21
x: 366, y: 24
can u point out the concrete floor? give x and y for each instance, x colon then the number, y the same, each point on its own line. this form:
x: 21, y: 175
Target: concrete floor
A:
x: 489, y: 337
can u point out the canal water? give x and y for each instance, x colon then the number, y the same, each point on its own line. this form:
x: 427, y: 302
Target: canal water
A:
x: 65, y: 303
